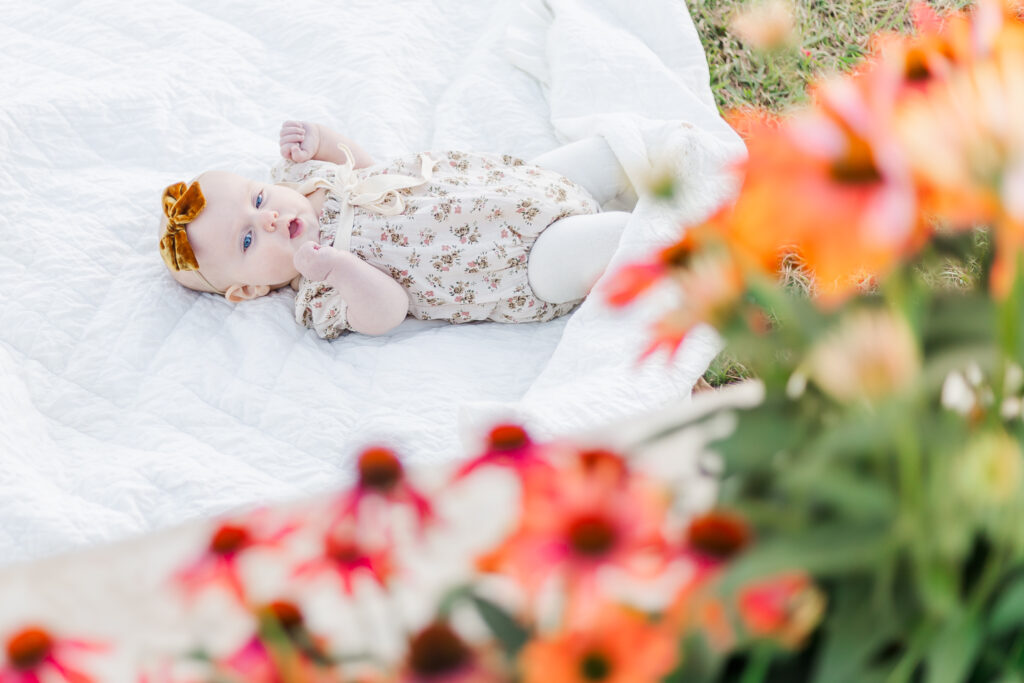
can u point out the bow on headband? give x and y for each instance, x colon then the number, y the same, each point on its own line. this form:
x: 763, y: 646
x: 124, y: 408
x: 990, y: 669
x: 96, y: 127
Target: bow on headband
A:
x: 181, y: 206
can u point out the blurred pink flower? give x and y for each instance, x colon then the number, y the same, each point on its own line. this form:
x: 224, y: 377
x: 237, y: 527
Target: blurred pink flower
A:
x: 382, y: 476
x: 508, y: 445
x: 218, y: 563
x: 34, y: 655
x: 345, y: 554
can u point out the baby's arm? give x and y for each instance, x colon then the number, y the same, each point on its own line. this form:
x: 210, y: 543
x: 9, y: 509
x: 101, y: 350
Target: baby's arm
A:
x: 376, y: 303
x: 302, y: 141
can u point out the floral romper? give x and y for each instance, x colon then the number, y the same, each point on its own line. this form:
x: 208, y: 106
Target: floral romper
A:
x: 453, y: 228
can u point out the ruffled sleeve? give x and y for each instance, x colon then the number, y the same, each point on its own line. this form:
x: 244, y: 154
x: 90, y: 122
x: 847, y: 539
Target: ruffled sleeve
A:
x: 319, y: 307
x: 287, y: 171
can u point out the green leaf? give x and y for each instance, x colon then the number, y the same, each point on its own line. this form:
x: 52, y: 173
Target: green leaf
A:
x: 939, y: 588
x: 1010, y: 337
x: 952, y: 652
x: 826, y: 550
x: 854, y: 497
x: 760, y: 434
x: 958, y: 318
x: 452, y: 597
x: 509, y: 632
x: 1008, y: 612
x: 856, y: 435
x: 697, y: 662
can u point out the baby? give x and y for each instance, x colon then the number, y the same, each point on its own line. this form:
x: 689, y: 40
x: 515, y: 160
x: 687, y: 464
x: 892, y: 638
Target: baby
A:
x: 449, y: 235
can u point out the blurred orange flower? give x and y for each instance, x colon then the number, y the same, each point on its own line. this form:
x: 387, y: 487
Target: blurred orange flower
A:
x: 576, y: 521
x: 912, y: 63
x: 831, y: 185
x: 967, y: 149
x: 619, y: 646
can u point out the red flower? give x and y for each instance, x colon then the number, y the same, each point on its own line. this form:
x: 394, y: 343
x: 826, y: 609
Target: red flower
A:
x: 711, y: 289
x: 381, y: 476
x: 785, y: 608
x: 347, y: 555
x: 635, y: 278
x: 508, y: 445
x: 218, y: 563
x: 34, y: 656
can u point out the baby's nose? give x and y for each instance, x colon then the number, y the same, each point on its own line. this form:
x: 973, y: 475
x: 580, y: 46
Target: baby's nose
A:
x: 269, y: 225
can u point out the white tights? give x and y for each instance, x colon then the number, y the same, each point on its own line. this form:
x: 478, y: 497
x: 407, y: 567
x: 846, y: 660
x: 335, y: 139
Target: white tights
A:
x: 572, y: 253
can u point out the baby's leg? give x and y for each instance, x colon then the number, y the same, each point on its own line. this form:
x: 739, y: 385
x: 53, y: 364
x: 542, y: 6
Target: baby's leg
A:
x: 588, y: 162
x: 572, y: 253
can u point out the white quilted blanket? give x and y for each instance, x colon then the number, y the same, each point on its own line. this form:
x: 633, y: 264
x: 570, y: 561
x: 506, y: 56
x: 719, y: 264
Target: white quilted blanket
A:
x: 129, y: 403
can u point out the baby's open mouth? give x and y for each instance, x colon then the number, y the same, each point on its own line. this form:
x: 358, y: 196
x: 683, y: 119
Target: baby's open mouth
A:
x: 294, y: 228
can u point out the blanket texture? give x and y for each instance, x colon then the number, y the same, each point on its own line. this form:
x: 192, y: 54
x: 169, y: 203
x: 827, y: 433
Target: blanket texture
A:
x: 131, y: 404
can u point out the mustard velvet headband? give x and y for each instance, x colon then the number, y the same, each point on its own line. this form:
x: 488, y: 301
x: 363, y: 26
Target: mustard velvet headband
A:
x: 181, y: 206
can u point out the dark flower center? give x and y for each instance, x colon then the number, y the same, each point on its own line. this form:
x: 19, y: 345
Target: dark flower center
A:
x: 27, y: 649
x: 600, y: 460
x: 342, y: 551
x: 915, y: 67
x: 287, y: 615
x: 857, y: 166
x: 508, y: 438
x: 718, y: 534
x: 678, y: 255
x: 591, y: 535
x: 229, y: 539
x: 379, y: 469
x: 436, y: 650
x: 595, y: 667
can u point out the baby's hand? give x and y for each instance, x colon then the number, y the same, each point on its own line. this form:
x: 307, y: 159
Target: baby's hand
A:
x: 300, y: 141
x: 316, y: 262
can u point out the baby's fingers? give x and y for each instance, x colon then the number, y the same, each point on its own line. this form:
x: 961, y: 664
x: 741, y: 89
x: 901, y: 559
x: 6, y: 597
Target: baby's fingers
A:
x: 292, y: 127
x: 291, y: 150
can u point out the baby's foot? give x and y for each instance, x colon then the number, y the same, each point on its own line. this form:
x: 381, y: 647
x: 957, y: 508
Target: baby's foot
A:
x: 316, y: 262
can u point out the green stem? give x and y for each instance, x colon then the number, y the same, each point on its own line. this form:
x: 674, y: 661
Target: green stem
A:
x: 988, y: 580
x: 903, y: 670
x: 909, y: 466
x: 757, y: 666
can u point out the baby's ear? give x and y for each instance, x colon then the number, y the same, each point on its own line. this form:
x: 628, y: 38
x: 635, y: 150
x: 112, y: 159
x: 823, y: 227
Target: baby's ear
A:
x: 236, y: 293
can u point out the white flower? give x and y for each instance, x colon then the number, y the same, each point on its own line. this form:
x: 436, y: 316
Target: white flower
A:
x: 765, y: 25
x: 872, y: 354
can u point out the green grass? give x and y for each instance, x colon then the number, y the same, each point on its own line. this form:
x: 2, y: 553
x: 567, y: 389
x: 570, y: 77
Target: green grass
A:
x: 834, y: 33
x: 833, y: 36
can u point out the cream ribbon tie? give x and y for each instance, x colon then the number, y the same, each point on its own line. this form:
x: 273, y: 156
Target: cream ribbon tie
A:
x: 377, y: 193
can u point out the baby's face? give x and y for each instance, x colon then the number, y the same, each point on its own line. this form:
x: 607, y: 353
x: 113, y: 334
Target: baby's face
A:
x: 249, y: 231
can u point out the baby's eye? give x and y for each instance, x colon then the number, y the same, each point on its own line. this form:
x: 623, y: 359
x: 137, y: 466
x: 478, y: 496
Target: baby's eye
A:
x: 247, y: 241
x: 259, y: 199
